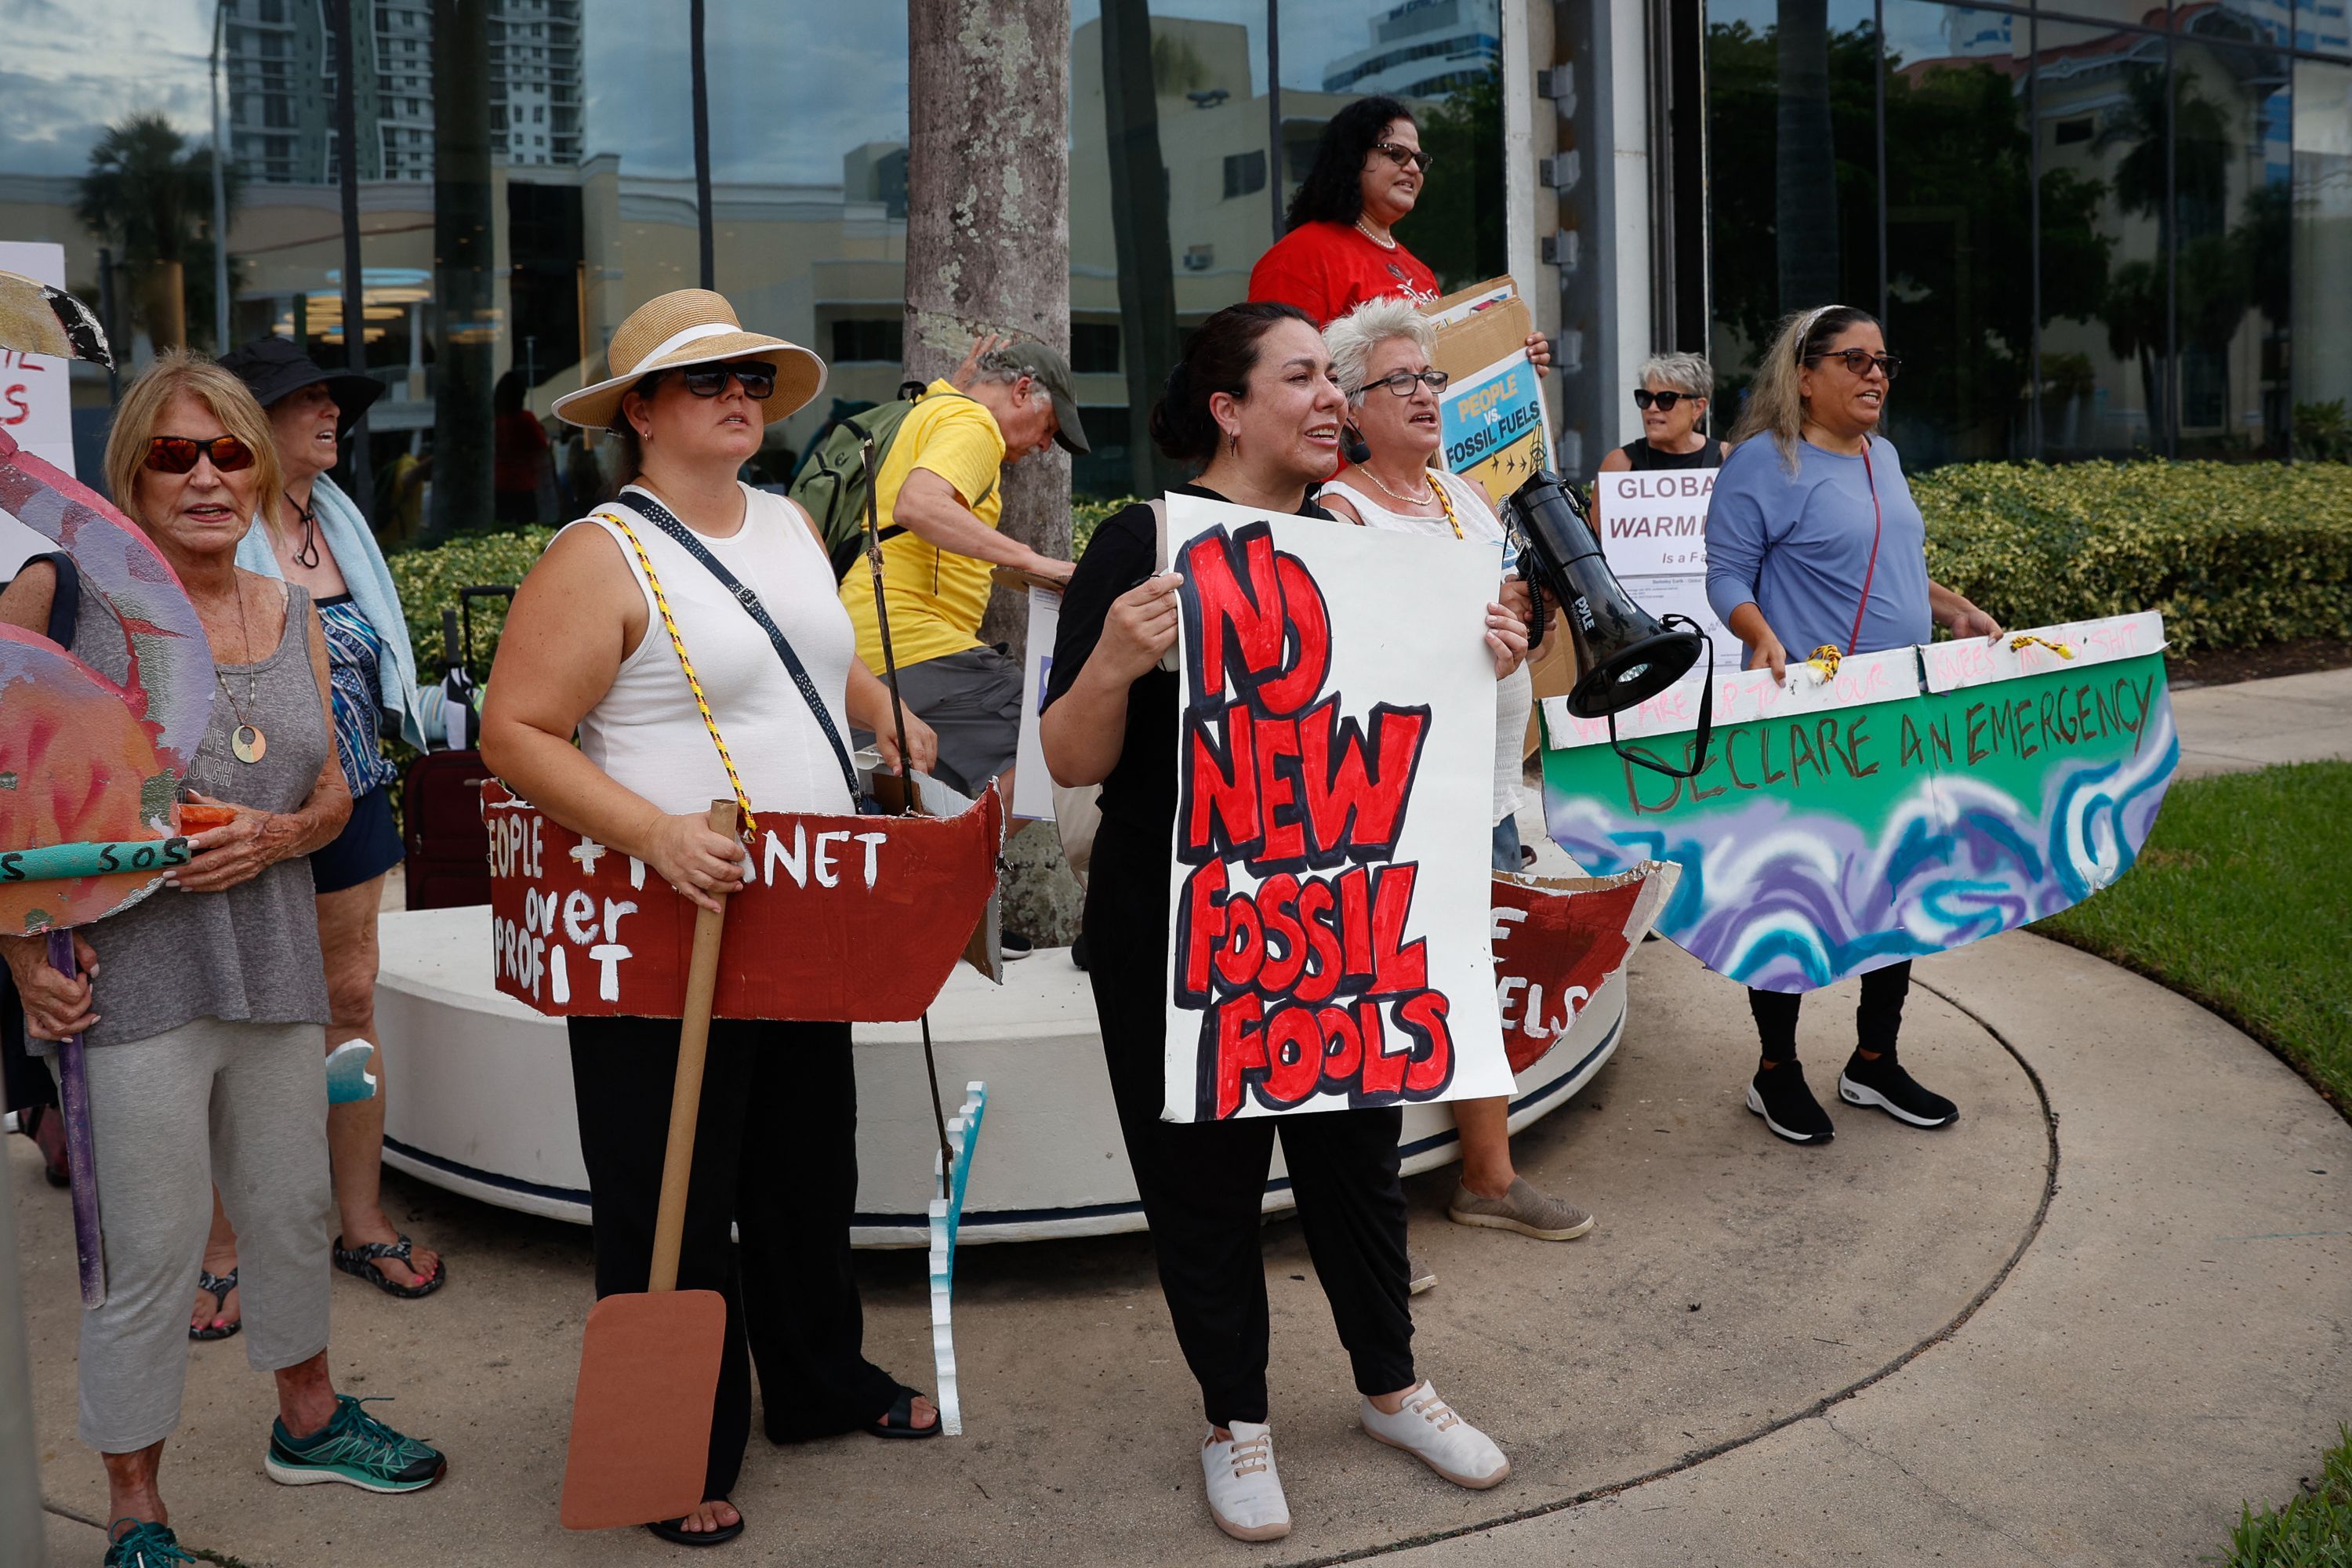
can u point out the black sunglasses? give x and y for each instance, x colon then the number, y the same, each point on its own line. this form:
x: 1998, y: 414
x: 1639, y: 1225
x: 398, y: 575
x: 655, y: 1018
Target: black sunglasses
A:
x: 709, y: 380
x: 178, y: 454
x: 1400, y: 155
x: 1644, y: 397
x: 1859, y: 361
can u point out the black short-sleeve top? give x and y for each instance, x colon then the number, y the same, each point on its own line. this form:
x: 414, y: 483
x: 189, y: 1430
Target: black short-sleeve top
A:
x: 1140, y: 791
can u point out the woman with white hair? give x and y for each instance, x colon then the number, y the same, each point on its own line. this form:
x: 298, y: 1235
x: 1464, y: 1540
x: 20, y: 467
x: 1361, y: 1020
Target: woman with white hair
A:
x: 1673, y: 398
x: 1381, y: 354
x: 1814, y: 542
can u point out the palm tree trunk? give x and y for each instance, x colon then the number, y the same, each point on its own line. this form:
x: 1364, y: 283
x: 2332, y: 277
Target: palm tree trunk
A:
x: 163, y: 300
x: 988, y: 250
x: 1139, y: 207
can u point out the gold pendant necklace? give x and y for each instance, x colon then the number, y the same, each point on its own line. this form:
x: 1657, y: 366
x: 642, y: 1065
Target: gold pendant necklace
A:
x: 247, y: 742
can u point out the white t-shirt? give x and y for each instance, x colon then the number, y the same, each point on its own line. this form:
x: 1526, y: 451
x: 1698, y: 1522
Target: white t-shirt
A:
x: 1515, y: 694
x: 646, y: 733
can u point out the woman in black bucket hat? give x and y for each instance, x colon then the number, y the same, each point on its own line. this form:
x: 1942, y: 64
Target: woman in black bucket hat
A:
x: 311, y: 534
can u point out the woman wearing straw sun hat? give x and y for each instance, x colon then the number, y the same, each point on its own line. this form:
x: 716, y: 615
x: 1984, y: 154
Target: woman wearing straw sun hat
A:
x: 588, y: 647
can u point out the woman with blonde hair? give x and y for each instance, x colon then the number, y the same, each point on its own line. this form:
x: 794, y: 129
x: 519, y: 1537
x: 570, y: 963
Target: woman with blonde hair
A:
x: 1814, y: 544
x: 1381, y: 354
x: 206, y: 1019
x: 1673, y: 398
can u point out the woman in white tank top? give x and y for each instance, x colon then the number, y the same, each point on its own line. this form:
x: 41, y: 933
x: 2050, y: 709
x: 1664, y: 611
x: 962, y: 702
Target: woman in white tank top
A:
x: 1380, y: 353
x: 585, y: 651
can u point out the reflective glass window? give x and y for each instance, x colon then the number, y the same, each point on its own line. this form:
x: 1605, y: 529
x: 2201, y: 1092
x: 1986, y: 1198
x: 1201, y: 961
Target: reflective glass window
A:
x: 2322, y: 26
x: 2099, y: 120
x: 1959, y: 213
x: 2322, y: 259
x: 1791, y: 135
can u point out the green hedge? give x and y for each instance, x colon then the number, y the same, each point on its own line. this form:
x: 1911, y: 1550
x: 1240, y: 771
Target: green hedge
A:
x: 2233, y: 553
x: 428, y: 581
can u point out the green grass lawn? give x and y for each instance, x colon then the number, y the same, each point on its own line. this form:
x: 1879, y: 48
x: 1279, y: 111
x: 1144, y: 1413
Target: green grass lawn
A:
x: 2243, y: 900
x: 2312, y: 1530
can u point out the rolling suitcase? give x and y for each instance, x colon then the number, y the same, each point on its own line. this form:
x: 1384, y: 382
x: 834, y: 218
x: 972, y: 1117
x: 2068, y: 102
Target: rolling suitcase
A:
x: 448, y: 849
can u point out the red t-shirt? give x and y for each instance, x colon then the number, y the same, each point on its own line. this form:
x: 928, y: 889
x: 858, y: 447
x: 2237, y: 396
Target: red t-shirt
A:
x: 1327, y: 269
x: 518, y: 438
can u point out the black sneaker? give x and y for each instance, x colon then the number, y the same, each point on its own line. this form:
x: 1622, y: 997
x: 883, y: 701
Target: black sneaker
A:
x: 1788, y: 1106
x: 1012, y: 945
x: 1885, y: 1083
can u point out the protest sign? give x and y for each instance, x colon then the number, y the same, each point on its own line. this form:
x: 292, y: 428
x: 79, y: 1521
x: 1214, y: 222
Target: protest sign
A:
x: 1654, y: 536
x: 1033, y: 785
x: 1328, y: 909
x: 859, y: 918
x: 1492, y: 421
x: 1915, y: 801
x: 1558, y: 940
x: 36, y: 399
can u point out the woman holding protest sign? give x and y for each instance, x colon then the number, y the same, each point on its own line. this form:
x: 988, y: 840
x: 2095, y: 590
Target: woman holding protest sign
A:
x: 596, y: 644
x: 1814, y: 542
x: 1337, y: 249
x: 204, y: 1007
x: 1252, y: 404
x: 1380, y: 353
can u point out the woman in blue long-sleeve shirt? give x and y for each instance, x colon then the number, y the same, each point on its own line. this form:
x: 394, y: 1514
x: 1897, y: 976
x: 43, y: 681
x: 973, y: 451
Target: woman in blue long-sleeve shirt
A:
x: 1813, y: 540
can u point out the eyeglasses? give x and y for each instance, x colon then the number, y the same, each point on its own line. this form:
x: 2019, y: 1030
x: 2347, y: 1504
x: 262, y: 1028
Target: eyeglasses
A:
x: 710, y: 379
x: 1402, y: 382
x: 1859, y: 361
x: 1402, y: 155
x: 178, y: 454
x: 1644, y: 397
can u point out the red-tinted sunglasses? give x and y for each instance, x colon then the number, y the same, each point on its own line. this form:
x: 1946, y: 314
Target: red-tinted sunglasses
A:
x: 178, y: 454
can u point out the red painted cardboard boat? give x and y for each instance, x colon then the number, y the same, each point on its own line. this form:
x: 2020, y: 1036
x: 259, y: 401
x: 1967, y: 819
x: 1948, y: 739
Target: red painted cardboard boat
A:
x: 853, y: 918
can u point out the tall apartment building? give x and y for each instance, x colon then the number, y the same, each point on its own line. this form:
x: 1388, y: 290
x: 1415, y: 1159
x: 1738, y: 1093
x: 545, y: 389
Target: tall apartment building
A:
x: 280, y: 76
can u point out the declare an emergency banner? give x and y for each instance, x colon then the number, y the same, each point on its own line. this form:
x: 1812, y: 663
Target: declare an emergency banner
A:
x: 1329, y: 908
x: 1915, y: 801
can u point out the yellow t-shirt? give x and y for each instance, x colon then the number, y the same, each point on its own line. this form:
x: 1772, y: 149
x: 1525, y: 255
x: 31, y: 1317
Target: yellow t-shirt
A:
x: 936, y: 597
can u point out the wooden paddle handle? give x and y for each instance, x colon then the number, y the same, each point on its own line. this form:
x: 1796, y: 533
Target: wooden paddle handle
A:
x: 686, y: 1098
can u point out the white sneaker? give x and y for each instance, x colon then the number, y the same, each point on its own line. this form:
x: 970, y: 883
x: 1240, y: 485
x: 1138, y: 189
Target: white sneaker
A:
x: 1428, y: 1430
x: 1244, y: 1491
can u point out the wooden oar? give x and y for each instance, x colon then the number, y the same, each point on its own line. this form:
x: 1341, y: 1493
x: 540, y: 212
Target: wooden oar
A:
x: 81, y: 1149
x: 649, y: 1361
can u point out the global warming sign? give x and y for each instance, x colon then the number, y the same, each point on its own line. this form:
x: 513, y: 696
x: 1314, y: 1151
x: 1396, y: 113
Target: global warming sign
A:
x: 1912, y: 801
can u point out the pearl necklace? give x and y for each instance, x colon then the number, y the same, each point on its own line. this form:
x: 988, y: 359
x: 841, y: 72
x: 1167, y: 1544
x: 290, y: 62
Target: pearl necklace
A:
x: 1366, y: 230
x: 1443, y: 501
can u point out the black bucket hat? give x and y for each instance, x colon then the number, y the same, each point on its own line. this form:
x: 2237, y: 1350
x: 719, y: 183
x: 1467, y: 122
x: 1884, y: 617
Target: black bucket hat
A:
x: 275, y: 368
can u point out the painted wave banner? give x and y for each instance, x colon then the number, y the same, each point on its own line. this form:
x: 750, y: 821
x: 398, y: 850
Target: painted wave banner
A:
x: 1917, y: 800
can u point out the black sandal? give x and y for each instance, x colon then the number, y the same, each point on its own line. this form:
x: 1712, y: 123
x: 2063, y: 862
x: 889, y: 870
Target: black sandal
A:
x: 898, y: 1421
x: 361, y: 1261
x: 216, y: 1285
x: 669, y: 1529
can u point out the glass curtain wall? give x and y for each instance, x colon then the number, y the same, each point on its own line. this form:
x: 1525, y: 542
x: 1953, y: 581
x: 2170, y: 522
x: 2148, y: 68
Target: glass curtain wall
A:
x: 2322, y: 259
x: 2105, y: 224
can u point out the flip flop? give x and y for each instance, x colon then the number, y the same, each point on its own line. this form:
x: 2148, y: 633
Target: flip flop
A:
x: 361, y: 1261
x: 216, y: 1285
x: 669, y: 1530
x: 898, y: 1421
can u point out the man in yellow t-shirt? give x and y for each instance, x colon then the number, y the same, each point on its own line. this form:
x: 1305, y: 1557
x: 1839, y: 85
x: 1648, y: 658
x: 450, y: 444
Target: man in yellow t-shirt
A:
x: 939, y: 485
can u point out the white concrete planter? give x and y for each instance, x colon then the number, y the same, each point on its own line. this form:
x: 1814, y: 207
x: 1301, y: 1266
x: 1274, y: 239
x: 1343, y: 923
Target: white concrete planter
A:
x: 481, y: 1094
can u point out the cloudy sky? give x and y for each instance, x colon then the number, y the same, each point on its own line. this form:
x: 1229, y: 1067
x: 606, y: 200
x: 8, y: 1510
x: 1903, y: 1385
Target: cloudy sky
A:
x: 787, y: 97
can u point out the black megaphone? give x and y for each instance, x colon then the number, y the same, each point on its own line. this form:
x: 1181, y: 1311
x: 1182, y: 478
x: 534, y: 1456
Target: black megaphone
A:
x: 1625, y: 655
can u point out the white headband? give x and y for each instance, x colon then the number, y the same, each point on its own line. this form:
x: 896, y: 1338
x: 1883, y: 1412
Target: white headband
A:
x: 1807, y: 330
x: 690, y: 335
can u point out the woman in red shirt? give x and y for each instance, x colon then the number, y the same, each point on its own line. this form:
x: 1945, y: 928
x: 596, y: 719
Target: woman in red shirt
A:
x: 1339, y: 251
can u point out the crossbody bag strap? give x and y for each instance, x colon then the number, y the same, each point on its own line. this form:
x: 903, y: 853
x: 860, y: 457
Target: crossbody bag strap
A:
x: 660, y: 516
x: 1878, y: 527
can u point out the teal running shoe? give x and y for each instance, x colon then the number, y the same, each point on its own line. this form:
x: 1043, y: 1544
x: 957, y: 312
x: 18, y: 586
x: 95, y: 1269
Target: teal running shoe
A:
x: 145, y: 1545
x: 354, y: 1448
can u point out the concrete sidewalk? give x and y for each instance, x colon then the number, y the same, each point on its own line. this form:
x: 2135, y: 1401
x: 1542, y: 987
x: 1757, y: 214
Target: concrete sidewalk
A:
x: 2254, y: 723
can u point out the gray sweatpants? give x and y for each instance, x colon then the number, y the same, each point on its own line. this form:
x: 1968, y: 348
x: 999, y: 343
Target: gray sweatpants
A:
x: 236, y: 1105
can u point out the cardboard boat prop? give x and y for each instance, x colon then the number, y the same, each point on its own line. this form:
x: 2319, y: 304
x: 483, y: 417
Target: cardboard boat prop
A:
x: 1558, y: 939
x: 856, y: 918
x: 1884, y: 806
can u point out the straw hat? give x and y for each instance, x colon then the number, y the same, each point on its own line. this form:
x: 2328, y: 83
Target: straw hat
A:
x: 691, y: 326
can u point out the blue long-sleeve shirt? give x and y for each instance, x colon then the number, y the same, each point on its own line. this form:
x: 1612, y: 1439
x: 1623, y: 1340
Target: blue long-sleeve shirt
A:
x: 1797, y: 545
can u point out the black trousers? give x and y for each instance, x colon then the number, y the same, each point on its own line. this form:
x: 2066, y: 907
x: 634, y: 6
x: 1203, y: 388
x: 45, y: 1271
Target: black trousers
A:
x: 776, y: 1153
x: 1202, y: 1183
x: 1876, y: 1021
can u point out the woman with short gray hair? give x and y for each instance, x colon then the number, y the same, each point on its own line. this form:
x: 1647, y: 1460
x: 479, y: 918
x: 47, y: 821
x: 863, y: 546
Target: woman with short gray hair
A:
x: 1381, y: 354
x: 1673, y: 398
